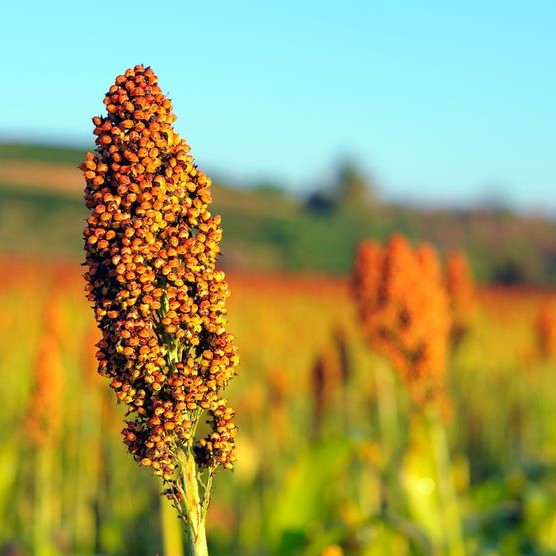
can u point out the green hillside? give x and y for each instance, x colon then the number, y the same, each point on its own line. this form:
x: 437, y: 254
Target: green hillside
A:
x: 268, y: 229
x: 41, y: 153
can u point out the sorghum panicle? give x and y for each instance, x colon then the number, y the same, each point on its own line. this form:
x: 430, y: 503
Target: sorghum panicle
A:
x: 279, y: 389
x: 341, y: 347
x: 151, y: 250
x: 461, y: 293
x: 328, y: 380
x: 318, y: 391
x: 546, y: 329
x: 403, y: 309
x: 44, y: 418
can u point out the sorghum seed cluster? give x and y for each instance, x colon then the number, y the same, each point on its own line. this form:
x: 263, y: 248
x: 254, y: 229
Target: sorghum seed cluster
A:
x: 403, y: 308
x: 545, y: 325
x: 151, y: 248
x: 461, y: 293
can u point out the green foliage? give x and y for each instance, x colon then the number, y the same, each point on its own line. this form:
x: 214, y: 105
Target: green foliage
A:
x: 40, y: 222
x: 306, y: 496
x: 42, y: 153
x: 353, y: 189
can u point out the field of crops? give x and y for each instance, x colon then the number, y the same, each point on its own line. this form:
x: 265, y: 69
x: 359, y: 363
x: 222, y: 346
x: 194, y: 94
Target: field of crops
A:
x: 333, y: 457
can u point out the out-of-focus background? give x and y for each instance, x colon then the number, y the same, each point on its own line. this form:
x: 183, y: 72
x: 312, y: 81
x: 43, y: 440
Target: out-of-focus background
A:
x: 321, y: 124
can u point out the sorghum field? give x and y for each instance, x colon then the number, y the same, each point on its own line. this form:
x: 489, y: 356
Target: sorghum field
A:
x: 335, y: 455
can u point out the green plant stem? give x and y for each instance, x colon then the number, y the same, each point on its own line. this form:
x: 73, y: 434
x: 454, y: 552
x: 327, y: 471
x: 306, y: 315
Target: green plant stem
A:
x: 194, y: 507
x: 453, y: 533
x: 198, y: 543
x: 87, y: 472
x: 43, y: 494
x: 387, y: 410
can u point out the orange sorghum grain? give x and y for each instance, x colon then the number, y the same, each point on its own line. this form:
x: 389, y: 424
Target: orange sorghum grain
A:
x: 279, y: 388
x: 151, y: 250
x: 403, y: 309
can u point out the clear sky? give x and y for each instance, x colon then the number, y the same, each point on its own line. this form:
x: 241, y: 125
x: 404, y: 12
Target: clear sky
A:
x: 441, y: 101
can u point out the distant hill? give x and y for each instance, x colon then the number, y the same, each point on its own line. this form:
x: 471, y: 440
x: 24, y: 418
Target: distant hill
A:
x: 42, y: 214
x: 41, y: 153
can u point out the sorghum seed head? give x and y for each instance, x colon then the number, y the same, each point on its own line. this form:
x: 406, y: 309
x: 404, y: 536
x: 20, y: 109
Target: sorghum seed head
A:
x: 461, y: 294
x: 403, y: 308
x: 546, y: 329
x: 151, y: 249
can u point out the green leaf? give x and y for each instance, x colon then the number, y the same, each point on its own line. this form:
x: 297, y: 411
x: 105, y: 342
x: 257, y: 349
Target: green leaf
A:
x: 304, y: 499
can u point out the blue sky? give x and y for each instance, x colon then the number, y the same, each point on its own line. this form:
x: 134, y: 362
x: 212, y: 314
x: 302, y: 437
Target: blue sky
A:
x: 442, y: 102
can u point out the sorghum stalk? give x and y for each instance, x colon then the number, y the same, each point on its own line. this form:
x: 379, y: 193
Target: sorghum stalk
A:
x: 341, y: 348
x: 404, y: 310
x: 453, y: 531
x: 42, y: 428
x: 151, y: 249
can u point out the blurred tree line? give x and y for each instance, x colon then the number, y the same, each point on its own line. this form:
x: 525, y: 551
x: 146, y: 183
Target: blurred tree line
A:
x: 267, y: 228
x: 322, y: 231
